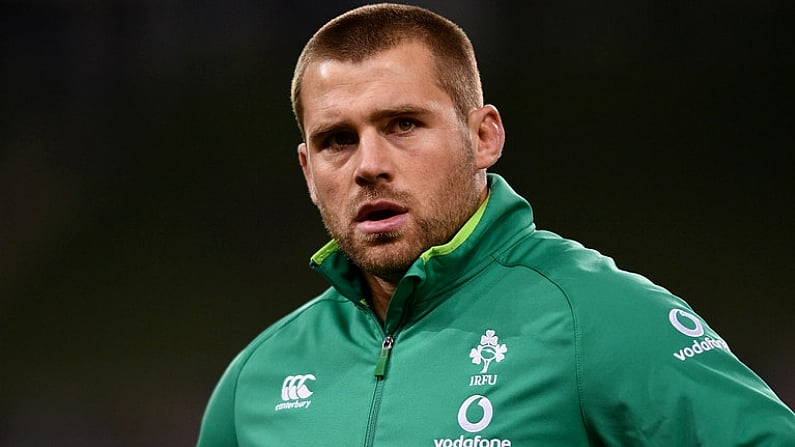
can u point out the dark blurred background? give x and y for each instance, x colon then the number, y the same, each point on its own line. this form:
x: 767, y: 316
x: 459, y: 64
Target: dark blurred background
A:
x: 153, y: 218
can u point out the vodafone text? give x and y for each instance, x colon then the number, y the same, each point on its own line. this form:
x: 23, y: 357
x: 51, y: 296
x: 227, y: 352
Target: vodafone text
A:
x: 700, y: 347
x: 476, y: 441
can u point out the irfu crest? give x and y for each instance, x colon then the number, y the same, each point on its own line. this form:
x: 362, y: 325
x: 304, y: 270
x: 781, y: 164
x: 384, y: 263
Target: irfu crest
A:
x: 488, y: 350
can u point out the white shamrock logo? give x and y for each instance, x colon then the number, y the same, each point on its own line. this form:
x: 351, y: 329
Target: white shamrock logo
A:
x: 488, y: 350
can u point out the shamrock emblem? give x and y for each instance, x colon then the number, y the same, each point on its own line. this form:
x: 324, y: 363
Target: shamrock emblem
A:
x: 489, y: 350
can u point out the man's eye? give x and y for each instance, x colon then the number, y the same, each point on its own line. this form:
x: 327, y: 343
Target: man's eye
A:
x: 405, y: 125
x: 340, y: 139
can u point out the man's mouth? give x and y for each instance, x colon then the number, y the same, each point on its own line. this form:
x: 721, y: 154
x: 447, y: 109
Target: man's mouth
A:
x: 380, y: 216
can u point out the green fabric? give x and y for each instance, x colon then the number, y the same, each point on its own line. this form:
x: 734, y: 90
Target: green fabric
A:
x: 512, y: 337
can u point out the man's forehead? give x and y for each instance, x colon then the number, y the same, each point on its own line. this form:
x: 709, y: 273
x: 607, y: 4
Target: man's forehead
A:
x: 402, y: 70
x: 406, y: 49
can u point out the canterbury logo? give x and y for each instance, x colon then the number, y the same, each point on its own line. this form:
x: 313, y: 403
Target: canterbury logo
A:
x: 294, y: 387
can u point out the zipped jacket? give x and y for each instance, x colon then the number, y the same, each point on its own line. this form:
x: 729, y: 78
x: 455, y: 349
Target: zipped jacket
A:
x: 505, y: 336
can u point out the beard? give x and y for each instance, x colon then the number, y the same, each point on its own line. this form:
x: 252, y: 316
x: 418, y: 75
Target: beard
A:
x: 434, y: 219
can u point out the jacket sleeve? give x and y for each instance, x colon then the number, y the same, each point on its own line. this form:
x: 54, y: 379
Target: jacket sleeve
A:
x: 218, y: 428
x: 653, y: 373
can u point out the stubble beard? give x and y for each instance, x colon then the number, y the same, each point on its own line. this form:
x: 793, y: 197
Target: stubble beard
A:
x: 389, y: 255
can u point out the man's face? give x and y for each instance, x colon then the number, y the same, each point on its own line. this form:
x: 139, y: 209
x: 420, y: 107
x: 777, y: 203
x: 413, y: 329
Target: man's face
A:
x: 387, y: 160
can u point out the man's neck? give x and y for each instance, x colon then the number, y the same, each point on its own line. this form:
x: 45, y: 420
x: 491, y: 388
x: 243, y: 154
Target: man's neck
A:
x: 381, y: 291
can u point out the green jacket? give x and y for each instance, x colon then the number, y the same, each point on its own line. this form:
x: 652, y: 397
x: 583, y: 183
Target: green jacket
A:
x: 505, y: 336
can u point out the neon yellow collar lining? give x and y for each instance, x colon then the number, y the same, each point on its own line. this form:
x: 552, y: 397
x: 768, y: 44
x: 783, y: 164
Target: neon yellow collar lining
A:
x: 459, y: 238
x: 437, y: 250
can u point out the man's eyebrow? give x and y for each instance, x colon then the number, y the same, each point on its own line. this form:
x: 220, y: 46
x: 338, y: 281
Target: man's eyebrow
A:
x: 399, y: 111
x: 323, y: 130
x: 403, y: 110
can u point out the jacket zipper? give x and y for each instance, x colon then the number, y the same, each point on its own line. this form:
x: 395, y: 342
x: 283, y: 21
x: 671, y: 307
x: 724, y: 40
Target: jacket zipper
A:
x: 386, y: 349
x: 380, y: 372
x: 388, y: 330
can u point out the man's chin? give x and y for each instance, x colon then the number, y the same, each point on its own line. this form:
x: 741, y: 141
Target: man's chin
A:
x: 375, y: 240
x: 388, y: 259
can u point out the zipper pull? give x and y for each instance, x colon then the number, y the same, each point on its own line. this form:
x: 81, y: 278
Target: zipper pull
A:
x: 386, y: 348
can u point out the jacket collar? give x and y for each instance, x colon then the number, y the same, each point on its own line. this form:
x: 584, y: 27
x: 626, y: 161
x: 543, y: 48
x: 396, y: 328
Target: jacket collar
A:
x: 502, y: 219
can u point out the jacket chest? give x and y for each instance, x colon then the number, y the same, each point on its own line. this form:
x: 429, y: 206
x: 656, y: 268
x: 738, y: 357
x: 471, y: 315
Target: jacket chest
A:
x: 443, y: 386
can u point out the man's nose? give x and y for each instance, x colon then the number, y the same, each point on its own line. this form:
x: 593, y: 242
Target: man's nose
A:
x: 374, y: 161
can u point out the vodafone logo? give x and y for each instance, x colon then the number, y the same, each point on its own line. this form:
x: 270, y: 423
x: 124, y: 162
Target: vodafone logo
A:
x: 692, y: 326
x: 482, y: 419
x: 485, y: 420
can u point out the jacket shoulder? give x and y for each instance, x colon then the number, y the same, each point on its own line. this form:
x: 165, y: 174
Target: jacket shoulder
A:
x: 649, y: 367
x: 305, y: 314
x: 219, y: 423
x: 582, y: 274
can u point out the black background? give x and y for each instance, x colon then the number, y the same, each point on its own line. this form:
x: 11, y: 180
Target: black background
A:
x: 153, y: 218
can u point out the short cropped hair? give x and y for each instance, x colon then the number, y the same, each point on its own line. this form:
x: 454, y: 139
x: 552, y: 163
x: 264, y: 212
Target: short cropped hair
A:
x: 368, y: 30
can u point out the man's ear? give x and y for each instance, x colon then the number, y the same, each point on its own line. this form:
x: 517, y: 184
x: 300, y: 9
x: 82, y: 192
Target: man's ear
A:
x: 303, y: 159
x: 488, y: 135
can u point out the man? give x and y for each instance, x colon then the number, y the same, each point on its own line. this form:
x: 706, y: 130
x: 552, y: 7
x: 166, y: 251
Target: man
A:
x: 452, y: 320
